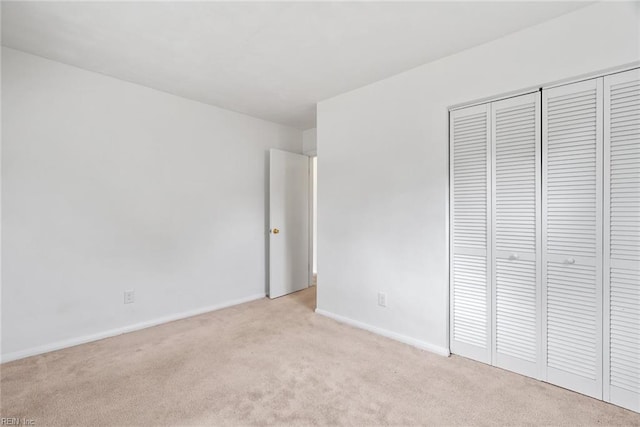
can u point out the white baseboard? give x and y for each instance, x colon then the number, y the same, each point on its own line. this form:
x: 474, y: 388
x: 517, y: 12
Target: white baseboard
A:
x: 442, y: 351
x: 71, y: 342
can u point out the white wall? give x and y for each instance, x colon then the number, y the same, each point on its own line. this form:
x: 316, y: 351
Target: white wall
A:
x: 309, y: 142
x: 383, y: 185
x: 109, y: 186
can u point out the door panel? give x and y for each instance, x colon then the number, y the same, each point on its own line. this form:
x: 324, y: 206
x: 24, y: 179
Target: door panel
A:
x: 572, y: 236
x: 289, y: 223
x: 622, y: 239
x: 516, y: 231
x: 470, y: 284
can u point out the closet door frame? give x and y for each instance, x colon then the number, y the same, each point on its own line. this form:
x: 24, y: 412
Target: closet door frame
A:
x: 503, y: 361
x: 458, y: 347
x: 551, y: 375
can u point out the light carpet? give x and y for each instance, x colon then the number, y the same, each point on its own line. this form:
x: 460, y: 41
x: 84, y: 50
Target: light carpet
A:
x: 277, y: 362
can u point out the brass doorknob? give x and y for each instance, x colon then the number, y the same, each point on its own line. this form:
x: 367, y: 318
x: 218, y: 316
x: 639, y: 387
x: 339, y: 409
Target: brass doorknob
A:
x: 276, y: 231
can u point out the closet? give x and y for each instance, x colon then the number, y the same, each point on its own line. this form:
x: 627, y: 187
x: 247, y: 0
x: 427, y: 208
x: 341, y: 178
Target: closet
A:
x: 545, y: 235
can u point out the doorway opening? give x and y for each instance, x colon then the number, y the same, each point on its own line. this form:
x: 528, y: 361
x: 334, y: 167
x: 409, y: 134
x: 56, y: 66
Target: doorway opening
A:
x: 314, y: 222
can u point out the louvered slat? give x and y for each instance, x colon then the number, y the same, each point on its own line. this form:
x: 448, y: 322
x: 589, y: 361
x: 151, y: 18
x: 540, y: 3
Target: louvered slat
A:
x: 469, y: 299
x: 469, y: 180
x: 622, y: 238
x: 571, y: 314
x: 516, y: 301
x: 624, y: 332
x: 469, y: 130
x: 572, y: 230
x: 515, y: 184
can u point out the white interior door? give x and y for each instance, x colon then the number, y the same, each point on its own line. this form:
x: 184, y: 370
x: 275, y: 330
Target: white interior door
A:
x: 470, y: 228
x: 622, y: 239
x: 288, y: 223
x: 516, y: 232
x: 572, y: 236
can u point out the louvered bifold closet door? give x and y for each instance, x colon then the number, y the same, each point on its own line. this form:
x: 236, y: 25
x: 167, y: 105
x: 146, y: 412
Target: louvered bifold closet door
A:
x: 516, y: 203
x: 622, y: 239
x: 572, y: 236
x: 469, y: 208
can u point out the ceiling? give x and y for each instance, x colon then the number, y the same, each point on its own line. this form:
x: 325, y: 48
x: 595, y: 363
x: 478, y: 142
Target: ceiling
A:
x: 272, y: 60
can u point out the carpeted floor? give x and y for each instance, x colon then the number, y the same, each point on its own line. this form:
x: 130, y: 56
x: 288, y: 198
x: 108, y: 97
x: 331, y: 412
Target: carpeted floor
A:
x: 276, y: 362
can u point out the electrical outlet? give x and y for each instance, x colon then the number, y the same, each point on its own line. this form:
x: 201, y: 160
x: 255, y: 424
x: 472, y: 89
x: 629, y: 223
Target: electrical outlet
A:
x: 382, y: 299
x: 129, y: 297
